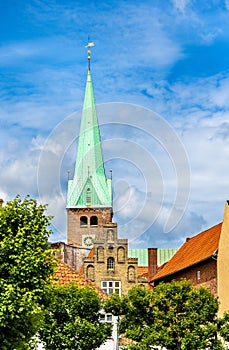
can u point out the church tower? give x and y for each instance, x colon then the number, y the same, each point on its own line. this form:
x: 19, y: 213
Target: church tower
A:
x: 89, y: 199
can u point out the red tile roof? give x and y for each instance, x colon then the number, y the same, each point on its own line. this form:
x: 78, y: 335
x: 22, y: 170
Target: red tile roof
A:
x: 194, y: 250
x: 143, y: 271
x: 65, y: 274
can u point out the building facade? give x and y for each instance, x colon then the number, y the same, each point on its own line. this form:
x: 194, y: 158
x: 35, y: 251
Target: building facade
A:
x: 109, y: 265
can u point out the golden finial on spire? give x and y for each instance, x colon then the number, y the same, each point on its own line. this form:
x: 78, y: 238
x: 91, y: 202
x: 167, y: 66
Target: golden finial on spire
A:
x: 89, y: 45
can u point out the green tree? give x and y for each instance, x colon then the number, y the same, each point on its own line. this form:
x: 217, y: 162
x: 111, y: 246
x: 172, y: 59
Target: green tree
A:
x: 26, y: 266
x: 71, y: 320
x: 175, y: 315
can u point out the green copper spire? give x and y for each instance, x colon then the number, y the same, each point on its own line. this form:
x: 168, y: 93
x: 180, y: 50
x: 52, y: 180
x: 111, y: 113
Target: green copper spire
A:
x: 89, y: 187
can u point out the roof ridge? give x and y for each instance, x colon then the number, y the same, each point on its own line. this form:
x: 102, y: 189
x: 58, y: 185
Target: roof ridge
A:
x: 202, y: 232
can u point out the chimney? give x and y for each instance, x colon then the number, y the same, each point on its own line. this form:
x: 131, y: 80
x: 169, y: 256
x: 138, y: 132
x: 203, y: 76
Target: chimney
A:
x: 152, y: 262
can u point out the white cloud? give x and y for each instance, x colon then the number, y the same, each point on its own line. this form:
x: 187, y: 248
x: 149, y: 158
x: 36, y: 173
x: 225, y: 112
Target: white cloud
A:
x: 19, y: 175
x: 136, y: 48
x: 57, y: 209
x: 181, y: 5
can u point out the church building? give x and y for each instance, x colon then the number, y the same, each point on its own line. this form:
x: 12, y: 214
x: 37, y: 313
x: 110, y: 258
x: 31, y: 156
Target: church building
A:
x: 89, y: 209
x: 89, y: 200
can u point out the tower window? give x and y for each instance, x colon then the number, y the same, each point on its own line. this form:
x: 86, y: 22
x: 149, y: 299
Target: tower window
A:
x: 94, y: 221
x: 88, y: 196
x: 110, y: 263
x: 83, y: 221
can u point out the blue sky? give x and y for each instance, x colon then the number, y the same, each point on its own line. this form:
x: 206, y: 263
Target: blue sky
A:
x: 167, y: 58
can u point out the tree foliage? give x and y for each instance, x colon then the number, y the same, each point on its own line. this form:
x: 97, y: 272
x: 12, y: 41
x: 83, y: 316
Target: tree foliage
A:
x: 26, y: 266
x: 71, y: 320
x: 175, y: 315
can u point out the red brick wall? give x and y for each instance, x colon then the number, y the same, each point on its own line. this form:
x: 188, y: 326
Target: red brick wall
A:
x: 75, y: 232
x: 207, y: 275
x: 152, y: 262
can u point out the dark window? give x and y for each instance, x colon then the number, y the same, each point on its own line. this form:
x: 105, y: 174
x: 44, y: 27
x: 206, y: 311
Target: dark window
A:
x: 94, y: 221
x: 83, y: 221
x: 105, y: 318
x: 110, y: 263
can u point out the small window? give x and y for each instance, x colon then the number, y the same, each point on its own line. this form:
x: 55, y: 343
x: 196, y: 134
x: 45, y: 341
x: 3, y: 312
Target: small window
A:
x: 110, y: 263
x: 198, y: 275
x: 102, y: 317
x: 88, y: 196
x: 83, y: 221
x: 105, y: 318
x: 109, y: 318
x: 94, y: 221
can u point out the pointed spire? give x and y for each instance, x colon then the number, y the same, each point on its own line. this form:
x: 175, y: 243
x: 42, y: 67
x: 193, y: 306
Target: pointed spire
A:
x: 89, y: 187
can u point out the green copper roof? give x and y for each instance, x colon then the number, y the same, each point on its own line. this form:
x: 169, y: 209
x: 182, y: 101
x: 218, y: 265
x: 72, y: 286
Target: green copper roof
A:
x: 141, y: 254
x: 89, y: 187
x: 163, y: 255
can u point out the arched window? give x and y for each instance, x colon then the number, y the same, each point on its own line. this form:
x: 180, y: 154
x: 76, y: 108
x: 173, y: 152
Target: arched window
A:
x: 110, y: 263
x: 94, y: 221
x: 83, y: 221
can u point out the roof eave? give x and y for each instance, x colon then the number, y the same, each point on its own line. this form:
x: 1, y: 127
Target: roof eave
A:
x: 212, y: 256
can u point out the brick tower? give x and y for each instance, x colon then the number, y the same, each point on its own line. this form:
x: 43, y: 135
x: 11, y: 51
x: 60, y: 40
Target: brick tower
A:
x: 89, y: 199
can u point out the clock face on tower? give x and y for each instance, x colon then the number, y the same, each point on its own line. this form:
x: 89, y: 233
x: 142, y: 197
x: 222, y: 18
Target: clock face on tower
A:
x: 88, y: 240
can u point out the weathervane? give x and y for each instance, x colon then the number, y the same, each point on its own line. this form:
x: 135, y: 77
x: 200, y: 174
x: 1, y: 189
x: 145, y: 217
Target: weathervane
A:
x: 89, y: 45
